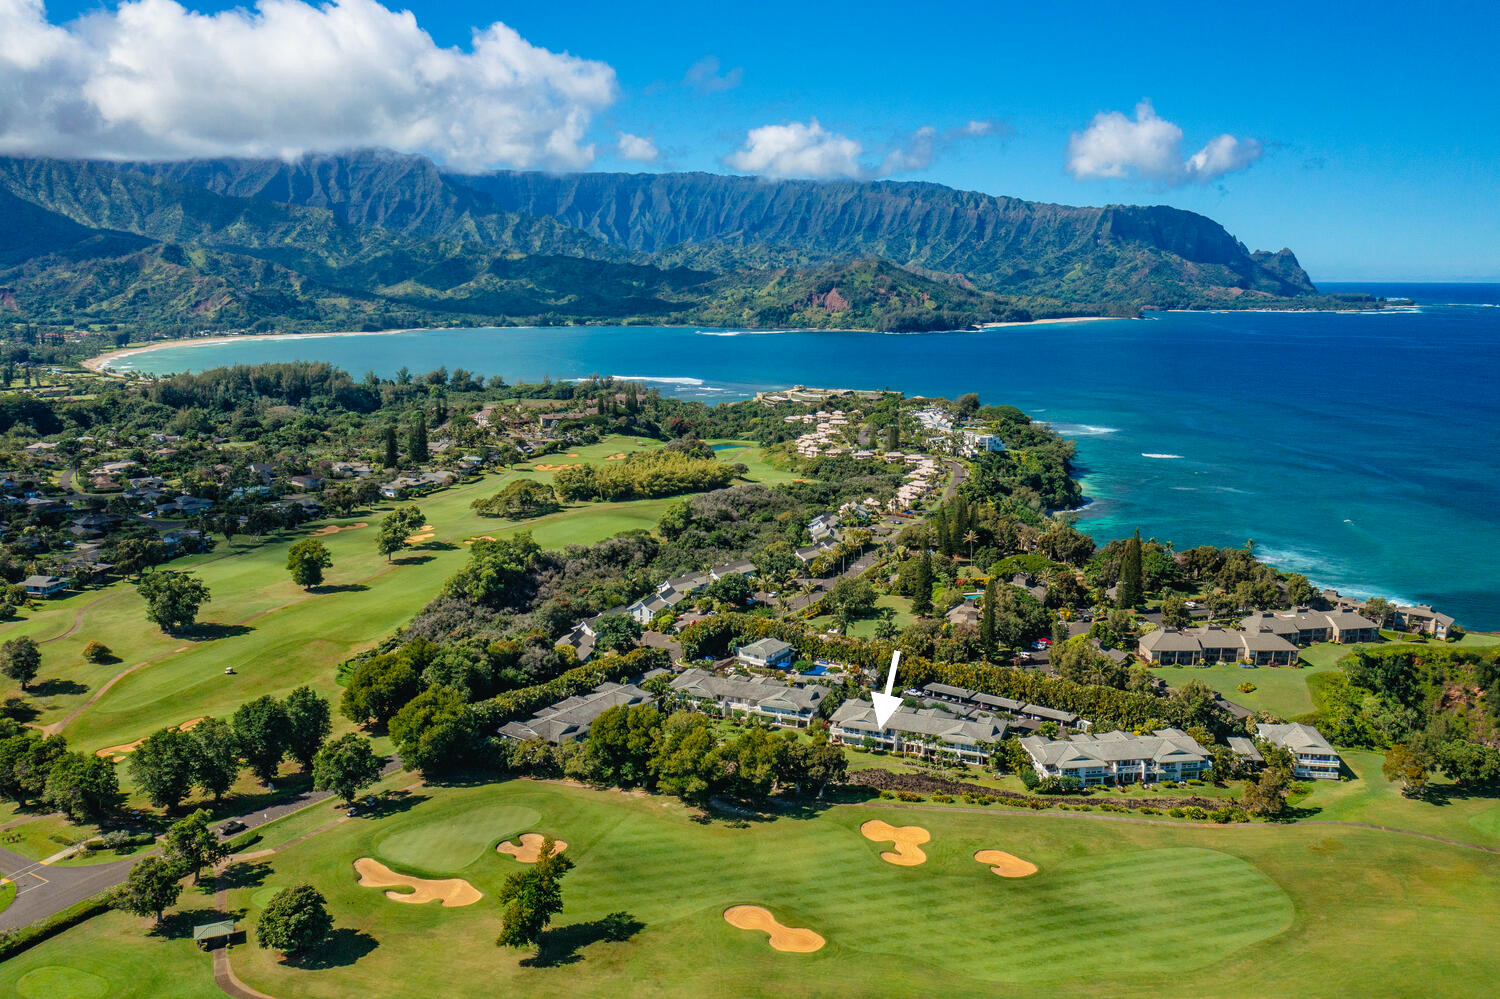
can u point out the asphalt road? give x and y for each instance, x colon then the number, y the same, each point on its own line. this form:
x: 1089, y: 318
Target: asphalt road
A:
x: 45, y: 889
x: 42, y: 890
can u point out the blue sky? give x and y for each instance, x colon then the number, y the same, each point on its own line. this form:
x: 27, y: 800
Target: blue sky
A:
x: 1363, y: 135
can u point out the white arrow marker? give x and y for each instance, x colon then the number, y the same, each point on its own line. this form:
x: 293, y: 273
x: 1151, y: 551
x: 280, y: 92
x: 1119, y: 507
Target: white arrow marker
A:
x: 886, y: 704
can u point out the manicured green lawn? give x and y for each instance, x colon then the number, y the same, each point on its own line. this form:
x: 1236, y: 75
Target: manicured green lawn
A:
x: 1117, y: 908
x: 112, y: 957
x: 865, y: 627
x: 7, y: 893
x: 274, y: 635
x: 1281, y: 690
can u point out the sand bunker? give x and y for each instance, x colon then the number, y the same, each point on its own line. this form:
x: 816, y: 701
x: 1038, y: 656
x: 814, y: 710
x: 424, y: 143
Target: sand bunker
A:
x: 1007, y: 865
x: 121, y: 751
x: 530, y: 849
x: 615, y: 457
x: 552, y: 468
x: 787, y: 938
x: 482, y: 537
x: 324, y: 532
x: 421, y: 537
x: 907, y: 839
x: 453, y: 892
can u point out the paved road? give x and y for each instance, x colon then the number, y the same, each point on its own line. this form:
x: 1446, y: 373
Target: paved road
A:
x: 42, y: 890
x: 960, y: 474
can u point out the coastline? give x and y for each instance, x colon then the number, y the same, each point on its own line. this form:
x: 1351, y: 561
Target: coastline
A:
x: 101, y: 364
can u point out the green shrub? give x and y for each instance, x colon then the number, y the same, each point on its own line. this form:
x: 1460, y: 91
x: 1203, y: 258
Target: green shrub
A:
x: 909, y: 796
x: 946, y: 799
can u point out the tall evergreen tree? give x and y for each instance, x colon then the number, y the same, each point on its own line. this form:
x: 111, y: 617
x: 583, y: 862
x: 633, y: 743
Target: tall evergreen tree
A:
x: 1130, y: 592
x: 416, y: 446
x: 987, y: 615
x: 392, y: 456
x: 921, y: 600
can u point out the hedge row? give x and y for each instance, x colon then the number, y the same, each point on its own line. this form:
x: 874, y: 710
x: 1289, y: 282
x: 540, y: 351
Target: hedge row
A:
x: 16, y: 941
x: 527, y: 701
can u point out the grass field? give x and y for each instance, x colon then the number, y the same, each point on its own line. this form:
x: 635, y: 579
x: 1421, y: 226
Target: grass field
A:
x: 1282, y: 690
x: 1118, y: 908
x: 272, y: 633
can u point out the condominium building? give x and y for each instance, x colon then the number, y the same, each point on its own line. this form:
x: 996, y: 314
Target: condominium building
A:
x: 1169, y: 754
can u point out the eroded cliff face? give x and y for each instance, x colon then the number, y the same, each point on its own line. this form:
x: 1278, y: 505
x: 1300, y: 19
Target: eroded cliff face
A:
x: 1002, y: 244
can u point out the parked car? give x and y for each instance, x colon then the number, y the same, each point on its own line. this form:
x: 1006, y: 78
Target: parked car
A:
x: 231, y: 827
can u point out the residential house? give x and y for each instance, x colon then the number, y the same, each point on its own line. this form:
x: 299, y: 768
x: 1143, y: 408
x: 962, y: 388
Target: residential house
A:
x: 307, y: 483
x: 965, y: 614
x: 1168, y: 754
x: 45, y: 587
x: 781, y: 703
x: 569, y: 720
x: 1206, y: 645
x: 918, y: 731
x: 766, y: 652
x: 1425, y: 620
x: 1315, y: 758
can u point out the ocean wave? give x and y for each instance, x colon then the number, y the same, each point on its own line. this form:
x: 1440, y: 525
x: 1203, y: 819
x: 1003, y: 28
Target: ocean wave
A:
x: 1164, y: 457
x: 1082, y: 429
x: 695, y: 382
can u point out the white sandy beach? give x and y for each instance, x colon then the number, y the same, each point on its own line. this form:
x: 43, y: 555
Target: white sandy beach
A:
x: 103, y: 364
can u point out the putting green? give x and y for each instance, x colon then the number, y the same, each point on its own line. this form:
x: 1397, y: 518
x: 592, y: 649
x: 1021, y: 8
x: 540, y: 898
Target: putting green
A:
x: 56, y: 982
x: 262, y: 898
x: 458, y: 841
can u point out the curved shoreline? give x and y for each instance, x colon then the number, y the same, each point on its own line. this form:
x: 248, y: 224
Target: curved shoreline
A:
x: 102, y: 363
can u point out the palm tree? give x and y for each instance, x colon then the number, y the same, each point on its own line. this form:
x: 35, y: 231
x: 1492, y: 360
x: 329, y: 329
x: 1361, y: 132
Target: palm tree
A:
x: 970, y: 538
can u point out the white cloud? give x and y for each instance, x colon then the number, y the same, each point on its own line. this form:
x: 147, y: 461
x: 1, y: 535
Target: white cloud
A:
x: 638, y: 148
x: 152, y: 80
x: 704, y: 76
x: 1150, y: 148
x: 926, y: 143
x: 796, y: 149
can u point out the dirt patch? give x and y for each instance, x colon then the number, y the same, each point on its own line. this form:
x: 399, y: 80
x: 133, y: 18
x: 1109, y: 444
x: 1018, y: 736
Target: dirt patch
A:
x: 452, y: 892
x: 786, y: 938
x: 1007, y: 865
x: 908, y: 840
x: 324, y: 532
x: 530, y: 849
x: 118, y: 753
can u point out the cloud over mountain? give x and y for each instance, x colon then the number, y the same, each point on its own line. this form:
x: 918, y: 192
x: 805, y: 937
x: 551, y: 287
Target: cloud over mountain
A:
x: 798, y: 149
x: 1150, y: 148
x: 152, y: 80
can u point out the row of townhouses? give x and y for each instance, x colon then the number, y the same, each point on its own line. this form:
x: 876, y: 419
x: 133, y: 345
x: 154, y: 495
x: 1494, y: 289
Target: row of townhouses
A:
x: 1020, y: 710
x: 1168, y: 754
x: 1271, y: 638
x: 677, y: 589
x: 765, y: 697
x: 569, y: 720
x: 918, y: 731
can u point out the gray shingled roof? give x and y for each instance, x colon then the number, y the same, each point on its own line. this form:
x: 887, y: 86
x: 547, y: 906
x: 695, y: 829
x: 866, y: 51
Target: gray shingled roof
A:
x: 571, y: 718
x: 762, y: 691
x: 1296, y: 737
x: 859, y: 716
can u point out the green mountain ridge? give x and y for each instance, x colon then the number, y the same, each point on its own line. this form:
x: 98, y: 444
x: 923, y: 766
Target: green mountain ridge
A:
x: 378, y: 239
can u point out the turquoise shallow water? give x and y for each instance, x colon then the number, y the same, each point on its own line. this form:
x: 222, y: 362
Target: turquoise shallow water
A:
x: 1360, y: 449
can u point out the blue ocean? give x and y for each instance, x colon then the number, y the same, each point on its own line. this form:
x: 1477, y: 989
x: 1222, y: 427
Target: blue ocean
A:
x: 1358, y: 448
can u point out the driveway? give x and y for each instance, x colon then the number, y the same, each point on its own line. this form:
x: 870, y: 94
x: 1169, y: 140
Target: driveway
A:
x: 42, y: 890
